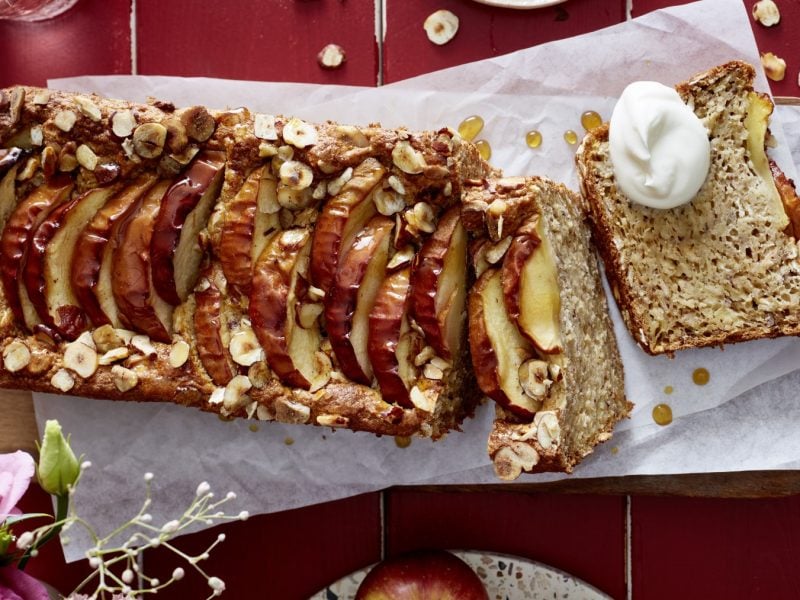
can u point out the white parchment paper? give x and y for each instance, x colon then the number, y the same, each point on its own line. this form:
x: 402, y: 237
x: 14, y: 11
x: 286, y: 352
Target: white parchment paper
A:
x: 725, y: 425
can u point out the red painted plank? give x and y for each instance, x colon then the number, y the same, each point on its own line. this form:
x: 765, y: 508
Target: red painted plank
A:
x: 483, y: 31
x: 256, y: 40
x: 582, y: 535
x: 92, y: 37
x: 780, y: 39
x: 713, y: 548
x: 288, y: 555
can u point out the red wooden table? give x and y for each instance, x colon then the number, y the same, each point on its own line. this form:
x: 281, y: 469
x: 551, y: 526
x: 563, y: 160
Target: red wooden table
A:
x: 652, y: 547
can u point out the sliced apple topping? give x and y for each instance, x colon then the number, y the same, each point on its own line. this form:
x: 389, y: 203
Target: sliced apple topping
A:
x: 292, y: 351
x: 350, y: 300
x: 341, y: 219
x: 50, y: 259
x: 90, y: 269
x: 390, y: 345
x: 498, y: 349
x: 249, y: 220
x: 530, y: 283
x: 14, y: 243
x: 140, y: 307
x: 209, y: 327
x: 439, y: 283
x: 175, y: 247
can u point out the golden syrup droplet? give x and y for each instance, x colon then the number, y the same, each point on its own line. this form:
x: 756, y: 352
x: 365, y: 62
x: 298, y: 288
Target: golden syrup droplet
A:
x: 662, y: 414
x: 591, y: 119
x: 701, y: 376
x: 615, y: 450
x: 288, y: 441
x: 668, y: 390
x: 484, y: 148
x: 225, y: 419
x: 253, y: 427
x: 470, y: 127
x: 570, y: 137
x: 402, y: 441
x: 533, y: 139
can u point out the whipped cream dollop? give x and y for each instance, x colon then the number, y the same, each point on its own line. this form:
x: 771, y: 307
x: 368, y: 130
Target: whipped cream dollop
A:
x: 658, y: 147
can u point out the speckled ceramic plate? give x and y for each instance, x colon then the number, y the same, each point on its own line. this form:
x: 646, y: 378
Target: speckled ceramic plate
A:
x: 506, y: 577
x: 521, y: 3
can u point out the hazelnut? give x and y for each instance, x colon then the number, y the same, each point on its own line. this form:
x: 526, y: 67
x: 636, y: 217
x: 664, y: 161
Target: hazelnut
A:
x: 16, y: 356
x: 441, y: 26
x: 62, y: 380
x: 86, y: 157
x: 65, y: 120
x: 774, y: 67
x: 88, y: 108
x: 299, y: 134
x: 408, y: 159
x: 296, y: 175
x: 198, y: 122
x: 331, y: 56
x: 264, y: 127
x: 123, y: 122
x: 766, y: 12
x: 244, y: 348
x: 178, y: 354
x: 149, y: 139
x: 177, y: 139
x: 124, y: 379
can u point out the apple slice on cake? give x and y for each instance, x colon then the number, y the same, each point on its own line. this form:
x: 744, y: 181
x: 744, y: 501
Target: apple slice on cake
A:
x: 90, y: 271
x: 15, y: 242
x: 439, y: 284
x: 530, y: 286
x: 350, y: 299
x: 390, y: 350
x: 211, y: 331
x: 140, y: 307
x: 280, y: 275
x: 47, y: 276
x: 342, y: 217
x: 498, y: 348
x: 175, y: 251
x: 249, y: 219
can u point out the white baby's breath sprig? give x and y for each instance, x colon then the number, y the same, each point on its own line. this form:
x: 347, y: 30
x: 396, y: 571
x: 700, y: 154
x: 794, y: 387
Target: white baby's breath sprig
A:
x: 116, y: 568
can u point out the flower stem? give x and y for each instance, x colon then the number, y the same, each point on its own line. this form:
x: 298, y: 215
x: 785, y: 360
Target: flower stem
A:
x: 62, y: 508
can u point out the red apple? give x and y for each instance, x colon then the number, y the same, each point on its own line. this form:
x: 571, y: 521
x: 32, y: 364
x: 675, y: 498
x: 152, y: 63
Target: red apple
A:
x: 140, y: 308
x: 175, y: 251
x: 350, y: 299
x: 439, y: 283
x: 424, y: 575
x: 49, y: 258
x: 14, y: 243
x: 90, y: 272
x: 341, y: 219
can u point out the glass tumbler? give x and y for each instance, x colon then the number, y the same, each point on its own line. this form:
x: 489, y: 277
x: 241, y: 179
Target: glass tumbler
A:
x: 33, y: 10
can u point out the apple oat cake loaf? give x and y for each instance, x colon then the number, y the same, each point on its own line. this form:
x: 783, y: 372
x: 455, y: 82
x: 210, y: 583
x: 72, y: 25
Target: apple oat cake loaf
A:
x: 247, y: 264
x: 542, y: 341
x: 722, y: 268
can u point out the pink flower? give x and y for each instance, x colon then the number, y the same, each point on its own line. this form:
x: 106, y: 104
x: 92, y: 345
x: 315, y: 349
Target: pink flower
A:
x: 17, y: 585
x: 16, y: 471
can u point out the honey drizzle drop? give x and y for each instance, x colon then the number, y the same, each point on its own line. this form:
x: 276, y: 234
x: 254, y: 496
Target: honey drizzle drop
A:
x: 591, y: 119
x: 402, y: 441
x: 288, y: 441
x: 570, y: 137
x: 253, y: 427
x: 470, y: 127
x: 484, y: 149
x: 668, y: 390
x: 533, y: 139
x: 701, y: 376
x: 662, y: 414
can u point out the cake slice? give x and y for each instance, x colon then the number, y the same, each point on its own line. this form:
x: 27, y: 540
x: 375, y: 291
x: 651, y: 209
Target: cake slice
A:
x: 722, y: 268
x: 541, y: 338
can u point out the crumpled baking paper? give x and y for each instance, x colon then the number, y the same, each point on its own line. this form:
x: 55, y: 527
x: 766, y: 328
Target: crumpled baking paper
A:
x: 729, y: 424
